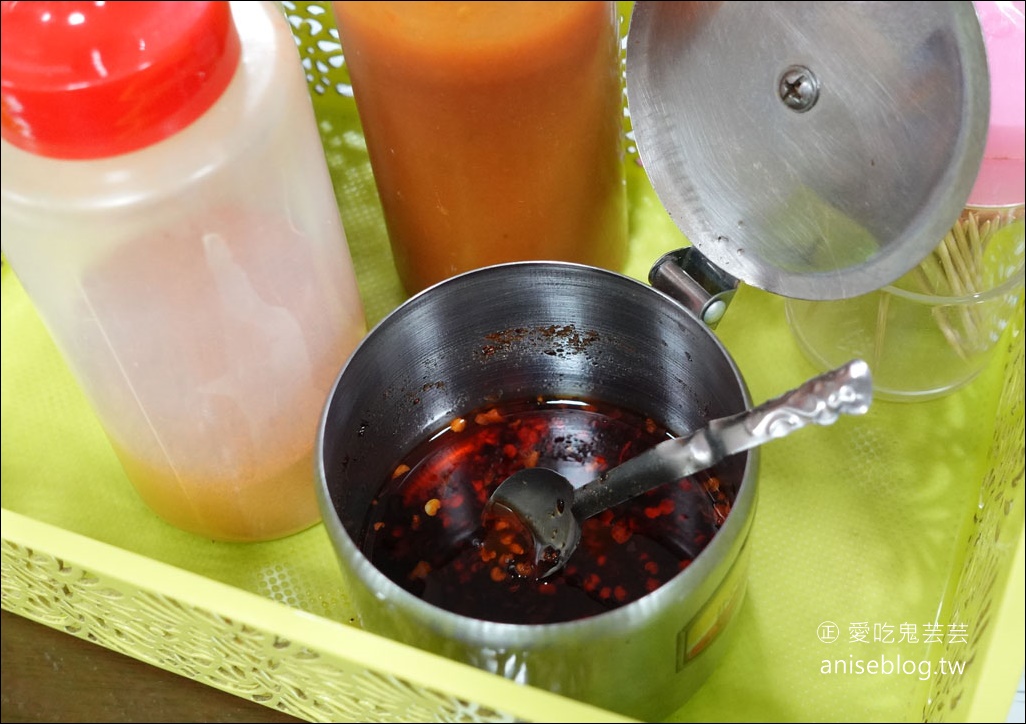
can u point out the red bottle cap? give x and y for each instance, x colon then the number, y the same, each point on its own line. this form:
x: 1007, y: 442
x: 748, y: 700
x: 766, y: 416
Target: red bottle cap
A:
x: 85, y: 80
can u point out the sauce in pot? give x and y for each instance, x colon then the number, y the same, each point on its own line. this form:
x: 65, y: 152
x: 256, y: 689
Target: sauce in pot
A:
x: 424, y: 528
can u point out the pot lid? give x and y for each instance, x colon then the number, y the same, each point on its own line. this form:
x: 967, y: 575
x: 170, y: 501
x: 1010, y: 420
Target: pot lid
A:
x: 817, y: 150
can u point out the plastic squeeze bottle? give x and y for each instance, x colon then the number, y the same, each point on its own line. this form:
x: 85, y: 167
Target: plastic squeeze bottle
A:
x: 494, y: 131
x: 166, y: 205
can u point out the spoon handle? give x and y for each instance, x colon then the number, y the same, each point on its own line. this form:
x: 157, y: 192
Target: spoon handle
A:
x: 820, y: 401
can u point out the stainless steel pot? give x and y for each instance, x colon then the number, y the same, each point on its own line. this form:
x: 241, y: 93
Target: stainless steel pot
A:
x: 571, y: 331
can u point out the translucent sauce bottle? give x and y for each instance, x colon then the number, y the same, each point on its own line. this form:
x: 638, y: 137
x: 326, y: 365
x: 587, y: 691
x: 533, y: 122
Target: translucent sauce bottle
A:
x: 494, y: 130
x: 166, y: 205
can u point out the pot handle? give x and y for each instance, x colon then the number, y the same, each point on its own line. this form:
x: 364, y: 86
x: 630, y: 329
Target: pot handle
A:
x: 694, y: 281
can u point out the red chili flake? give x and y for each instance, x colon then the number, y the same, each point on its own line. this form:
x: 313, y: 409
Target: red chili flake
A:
x: 592, y: 582
x: 667, y: 506
x: 606, y: 592
x: 531, y: 459
x: 652, y: 567
x: 652, y: 584
x: 379, y: 525
x: 420, y: 571
x: 529, y: 435
x: 620, y: 532
x: 601, y: 559
x: 497, y: 574
x: 620, y: 593
x: 547, y: 589
x: 489, y: 417
x: 415, y: 522
x: 625, y: 452
x: 454, y: 501
x: 524, y: 569
x: 509, y: 450
x: 653, y: 511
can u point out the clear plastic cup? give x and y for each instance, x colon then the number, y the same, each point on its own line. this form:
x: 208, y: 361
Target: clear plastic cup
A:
x: 933, y: 330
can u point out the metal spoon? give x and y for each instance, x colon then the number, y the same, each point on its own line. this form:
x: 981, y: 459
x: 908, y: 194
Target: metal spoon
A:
x: 550, y: 510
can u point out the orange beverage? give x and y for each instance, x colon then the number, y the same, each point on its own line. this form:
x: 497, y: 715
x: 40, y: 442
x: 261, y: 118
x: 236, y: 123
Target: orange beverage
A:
x: 494, y: 129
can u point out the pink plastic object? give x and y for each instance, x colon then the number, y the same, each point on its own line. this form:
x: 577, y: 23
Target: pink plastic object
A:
x: 1002, y: 177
